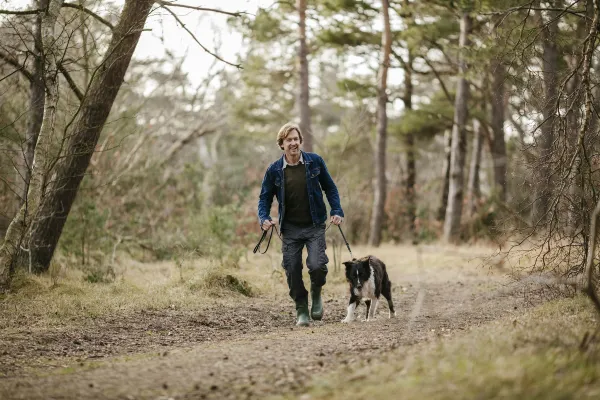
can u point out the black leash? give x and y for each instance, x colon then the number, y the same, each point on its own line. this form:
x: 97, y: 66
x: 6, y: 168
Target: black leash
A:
x: 345, y: 241
x: 264, y: 235
x: 274, y: 228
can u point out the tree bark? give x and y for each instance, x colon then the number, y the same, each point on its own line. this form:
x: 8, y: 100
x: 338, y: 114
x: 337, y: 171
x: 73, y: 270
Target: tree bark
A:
x: 576, y: 203
x: 446, y: 174
x: 473, y: 190
x: 550, y: 74
x: 85, y: 131
x: 409, y: 149
x: 303, y: 93
x: 36, y: 104
x: 409, y: 137
x: 497, y: 143
x: 42, y: 158
x: 380, y: 145
x: 459, y: 139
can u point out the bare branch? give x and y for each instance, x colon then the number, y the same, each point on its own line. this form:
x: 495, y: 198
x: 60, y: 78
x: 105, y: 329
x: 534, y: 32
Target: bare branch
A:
x: 89, y: 12
x: 71, y: 82
x: 14, y: 12
x: 196, y: 39
x: 21, y: 68
x: 440, y: 80
x: 172, y: 4
x: 67, y: 5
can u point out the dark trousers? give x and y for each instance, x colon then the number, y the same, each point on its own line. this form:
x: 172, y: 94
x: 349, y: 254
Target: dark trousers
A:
x: 294, y: 240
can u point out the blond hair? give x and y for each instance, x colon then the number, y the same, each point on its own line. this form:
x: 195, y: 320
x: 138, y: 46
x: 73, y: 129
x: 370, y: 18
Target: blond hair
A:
x: 285, y: 131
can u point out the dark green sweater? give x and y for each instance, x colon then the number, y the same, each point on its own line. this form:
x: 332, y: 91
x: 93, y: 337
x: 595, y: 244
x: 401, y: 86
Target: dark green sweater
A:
x: 297, y: 208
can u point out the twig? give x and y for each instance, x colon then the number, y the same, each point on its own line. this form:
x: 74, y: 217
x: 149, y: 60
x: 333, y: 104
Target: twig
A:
x: 71, y: 82
x: 89, y: 12
x: 66, y: 5
x: 15, y: 63
x: 172, y: 4
x: 196, y: 39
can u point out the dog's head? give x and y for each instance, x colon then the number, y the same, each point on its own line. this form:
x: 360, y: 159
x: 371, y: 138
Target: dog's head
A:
x: 357, y: 273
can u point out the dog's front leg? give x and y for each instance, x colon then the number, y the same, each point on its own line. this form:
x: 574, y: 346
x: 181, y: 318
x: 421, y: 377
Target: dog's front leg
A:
x: 371, y: 312
x: 354, y: 301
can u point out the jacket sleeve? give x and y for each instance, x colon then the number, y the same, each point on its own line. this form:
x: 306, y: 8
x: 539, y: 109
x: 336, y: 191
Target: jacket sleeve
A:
x: 265, y: 199
x: 331, y: 191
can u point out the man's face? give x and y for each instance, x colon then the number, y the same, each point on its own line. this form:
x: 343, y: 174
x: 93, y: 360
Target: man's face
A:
x: 291, y: 144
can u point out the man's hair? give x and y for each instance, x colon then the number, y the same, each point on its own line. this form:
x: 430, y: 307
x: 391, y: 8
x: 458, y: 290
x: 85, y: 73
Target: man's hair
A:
x: 285, y: 131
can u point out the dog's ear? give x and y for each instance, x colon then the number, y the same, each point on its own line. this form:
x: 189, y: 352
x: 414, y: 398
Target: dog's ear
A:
x: 348, y: 264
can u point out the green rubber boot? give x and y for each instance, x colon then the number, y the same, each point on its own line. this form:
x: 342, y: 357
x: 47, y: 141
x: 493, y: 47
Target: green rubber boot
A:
x: 316, y: 309
x: 302, y: 313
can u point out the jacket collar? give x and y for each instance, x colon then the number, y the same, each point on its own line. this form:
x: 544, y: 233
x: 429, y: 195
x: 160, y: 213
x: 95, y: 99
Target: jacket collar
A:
x: 304, y: 158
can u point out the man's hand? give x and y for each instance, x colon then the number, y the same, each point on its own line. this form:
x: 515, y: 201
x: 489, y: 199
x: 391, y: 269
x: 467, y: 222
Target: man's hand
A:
x: 336, y: 219
x: 267, y: 224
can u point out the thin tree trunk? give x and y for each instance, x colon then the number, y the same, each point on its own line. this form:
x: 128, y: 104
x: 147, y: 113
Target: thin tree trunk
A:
x: 36, y: 104
x: 409, y: 148
x: 576, y: 205
x: 303, y: 93
x: 42, y: 158
x: 497, y: 143
x: 409, y: 138
x: 380, y: 145
x: 459, y: 140
x: 446, y: 174
x: 550, y: 77
x: 473, y: 190
x: 85, y: 131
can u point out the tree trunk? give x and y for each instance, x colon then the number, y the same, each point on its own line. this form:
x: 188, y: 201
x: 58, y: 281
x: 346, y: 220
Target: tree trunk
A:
x: 576, y: 203
x: 550, y: 71
x: 446, y: 174
x: 42, y: 158
x: 459, y: 139
x: 497, y: 143
x: 380, y: 145
x: 409, y: 148
x: 85, y: 131
x: 303, y: 93
x: 36, y: 104
x: 473, y: 191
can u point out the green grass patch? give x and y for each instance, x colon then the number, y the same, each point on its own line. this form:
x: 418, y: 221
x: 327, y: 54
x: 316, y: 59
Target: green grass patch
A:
x: 537, y: 356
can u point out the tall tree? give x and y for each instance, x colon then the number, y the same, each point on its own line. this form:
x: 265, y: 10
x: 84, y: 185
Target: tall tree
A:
x: 303, y: 92
x: 473, y: 187
x: 36, y: 102
x: 459, y: 137
x: 409, y: 137
x: 549, y: 33
x: 379, y: 187
x: 42, y: 157
x: 441, y: 214
x: 497, y: 142
x: 84, y: 133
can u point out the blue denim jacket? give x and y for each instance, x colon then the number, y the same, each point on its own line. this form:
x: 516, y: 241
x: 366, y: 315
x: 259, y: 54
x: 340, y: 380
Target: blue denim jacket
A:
x: 318, y: 181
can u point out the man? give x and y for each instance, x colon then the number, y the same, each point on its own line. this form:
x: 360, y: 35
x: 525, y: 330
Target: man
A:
x: 297, y: 180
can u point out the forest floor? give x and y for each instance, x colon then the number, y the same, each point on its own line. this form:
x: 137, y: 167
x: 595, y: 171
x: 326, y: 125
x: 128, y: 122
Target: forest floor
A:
x: 154, y: 344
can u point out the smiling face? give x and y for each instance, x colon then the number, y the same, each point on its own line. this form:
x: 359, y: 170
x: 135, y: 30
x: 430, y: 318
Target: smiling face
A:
x: 291, y: 144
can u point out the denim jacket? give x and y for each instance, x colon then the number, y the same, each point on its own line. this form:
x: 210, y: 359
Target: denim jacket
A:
x: 318, y: 181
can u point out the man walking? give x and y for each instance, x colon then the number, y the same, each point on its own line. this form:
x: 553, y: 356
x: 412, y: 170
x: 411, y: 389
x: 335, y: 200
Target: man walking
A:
x: 298, y: 179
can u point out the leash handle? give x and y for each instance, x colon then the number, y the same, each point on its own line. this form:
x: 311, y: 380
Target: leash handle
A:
x: 345, y: 241
x: 264, y: 235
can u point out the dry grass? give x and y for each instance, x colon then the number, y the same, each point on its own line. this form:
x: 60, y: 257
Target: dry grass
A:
x: 538, y: 356
x: 65, y: 296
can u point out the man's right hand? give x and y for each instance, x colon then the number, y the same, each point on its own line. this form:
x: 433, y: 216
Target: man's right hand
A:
x: 267, y: 224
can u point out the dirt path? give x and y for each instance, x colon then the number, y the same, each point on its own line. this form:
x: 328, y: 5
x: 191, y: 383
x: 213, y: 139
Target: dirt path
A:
x: 248, y: 350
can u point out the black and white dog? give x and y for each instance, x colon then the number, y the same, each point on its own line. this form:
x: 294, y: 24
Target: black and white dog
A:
x: 368, y: 280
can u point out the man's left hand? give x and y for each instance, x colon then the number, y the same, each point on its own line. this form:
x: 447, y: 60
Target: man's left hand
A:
x: 336, y: 219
